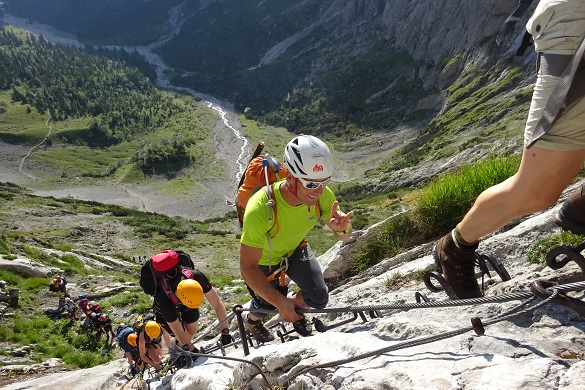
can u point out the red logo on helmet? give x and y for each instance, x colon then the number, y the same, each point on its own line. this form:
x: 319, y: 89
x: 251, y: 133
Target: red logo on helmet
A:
x: 318, y: 168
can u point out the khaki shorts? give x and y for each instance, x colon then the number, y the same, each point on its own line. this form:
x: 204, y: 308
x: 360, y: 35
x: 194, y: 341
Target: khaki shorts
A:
x: 568, y: 132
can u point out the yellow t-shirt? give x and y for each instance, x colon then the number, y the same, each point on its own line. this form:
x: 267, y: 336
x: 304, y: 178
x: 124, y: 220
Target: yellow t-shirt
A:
x: 292, y: 225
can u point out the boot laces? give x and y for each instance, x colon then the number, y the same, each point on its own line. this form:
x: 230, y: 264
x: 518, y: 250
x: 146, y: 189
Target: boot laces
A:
x: 464, y: 264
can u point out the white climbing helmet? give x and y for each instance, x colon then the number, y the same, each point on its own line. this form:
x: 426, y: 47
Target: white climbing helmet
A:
x: 308, y: 157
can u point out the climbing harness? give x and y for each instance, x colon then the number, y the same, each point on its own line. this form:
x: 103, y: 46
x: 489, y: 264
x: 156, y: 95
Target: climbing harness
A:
x: 280, y: 273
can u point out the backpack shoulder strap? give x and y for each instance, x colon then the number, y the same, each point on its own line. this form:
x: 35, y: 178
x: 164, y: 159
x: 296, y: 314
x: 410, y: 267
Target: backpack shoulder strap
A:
x: 167, y: 287
x: 187, y: 273
x: 271, y: 207
x: 270, y: 162
x: 164, y: 282
x: 154, y: 277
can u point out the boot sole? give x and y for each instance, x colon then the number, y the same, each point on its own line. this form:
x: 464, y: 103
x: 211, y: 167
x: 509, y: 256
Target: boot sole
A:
x: 303, y: 330
x: 436, y: 258
x: 566, y: 223
x: 260, y: 339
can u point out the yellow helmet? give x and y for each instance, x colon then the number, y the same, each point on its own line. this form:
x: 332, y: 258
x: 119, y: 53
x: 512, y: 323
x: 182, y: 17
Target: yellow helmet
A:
x: 152, y: 329
x: 132, y: 339
x: 190, y: 293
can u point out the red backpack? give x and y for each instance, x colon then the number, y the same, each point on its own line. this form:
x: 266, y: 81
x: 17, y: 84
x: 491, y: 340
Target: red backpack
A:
x: 159, y: 267
x: 164, y: 262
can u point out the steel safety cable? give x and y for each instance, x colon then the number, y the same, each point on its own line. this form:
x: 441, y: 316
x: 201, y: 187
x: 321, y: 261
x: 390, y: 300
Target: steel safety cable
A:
x: 408, y: 306
x: 514, y: 312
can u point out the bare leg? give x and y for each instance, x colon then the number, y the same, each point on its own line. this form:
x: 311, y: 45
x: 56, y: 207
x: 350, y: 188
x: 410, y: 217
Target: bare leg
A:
x: 191, y: 329
x: 540, y: 180
x: 253, y: 317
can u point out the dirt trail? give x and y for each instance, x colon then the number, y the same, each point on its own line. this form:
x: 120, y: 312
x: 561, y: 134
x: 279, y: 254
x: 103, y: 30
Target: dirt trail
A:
x: 23, y: 160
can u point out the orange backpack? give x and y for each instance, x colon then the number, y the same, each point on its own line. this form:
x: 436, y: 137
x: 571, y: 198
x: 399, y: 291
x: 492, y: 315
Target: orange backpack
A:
x: 261, y: 171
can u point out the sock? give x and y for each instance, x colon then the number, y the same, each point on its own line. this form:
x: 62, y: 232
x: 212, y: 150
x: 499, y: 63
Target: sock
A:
x: 459, y: 241
x: 252, y: 322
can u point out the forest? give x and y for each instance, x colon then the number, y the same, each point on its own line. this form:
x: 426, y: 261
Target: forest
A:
x: 226, y: 49
x: 103, y: 86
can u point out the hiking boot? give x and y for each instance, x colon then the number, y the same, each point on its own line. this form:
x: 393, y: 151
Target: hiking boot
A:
x: 258, y: 330
x: 571, y: 215
x: 458, y: 265
x: 303, y: 327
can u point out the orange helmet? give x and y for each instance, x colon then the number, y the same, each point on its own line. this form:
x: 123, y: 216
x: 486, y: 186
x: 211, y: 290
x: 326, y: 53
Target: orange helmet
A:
x: 133, y: 339
x: 190, y: 293
x: 152, y: 329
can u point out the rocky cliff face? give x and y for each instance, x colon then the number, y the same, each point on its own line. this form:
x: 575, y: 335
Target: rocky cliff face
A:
x: 453, y: 44
x: 378, y: 63
x: 437, y: 30
x: 429, y: 31
x: 540, y: 346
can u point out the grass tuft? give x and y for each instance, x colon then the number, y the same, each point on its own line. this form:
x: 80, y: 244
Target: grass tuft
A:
x: 537, y: 254
x: 443, y: 202
x: 437, y: 208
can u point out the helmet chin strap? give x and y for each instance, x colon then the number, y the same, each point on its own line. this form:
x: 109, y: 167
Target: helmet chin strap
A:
x: 294, y: 192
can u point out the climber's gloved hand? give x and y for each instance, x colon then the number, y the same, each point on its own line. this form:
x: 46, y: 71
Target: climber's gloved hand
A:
x: 183, y: 361
x: 226, y: 337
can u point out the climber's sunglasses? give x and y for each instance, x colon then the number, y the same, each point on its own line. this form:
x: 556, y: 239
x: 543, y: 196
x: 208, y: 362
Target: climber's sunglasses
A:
x: 313, y: 185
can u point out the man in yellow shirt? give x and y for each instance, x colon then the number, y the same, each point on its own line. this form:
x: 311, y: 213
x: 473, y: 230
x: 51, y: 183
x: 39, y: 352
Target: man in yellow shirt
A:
x: 274, y: 237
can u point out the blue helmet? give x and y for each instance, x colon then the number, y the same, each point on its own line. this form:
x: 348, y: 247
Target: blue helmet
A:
x: 81, y: 296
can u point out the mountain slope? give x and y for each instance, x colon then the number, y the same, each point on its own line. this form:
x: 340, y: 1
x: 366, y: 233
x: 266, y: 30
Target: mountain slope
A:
x: 366, y: 62
x: 91, y: 120
x: 343, y: 69
x: 406, y: 347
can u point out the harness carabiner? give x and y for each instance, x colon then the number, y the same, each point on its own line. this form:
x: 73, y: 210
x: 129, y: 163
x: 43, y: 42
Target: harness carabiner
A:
x: 280, y: 272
